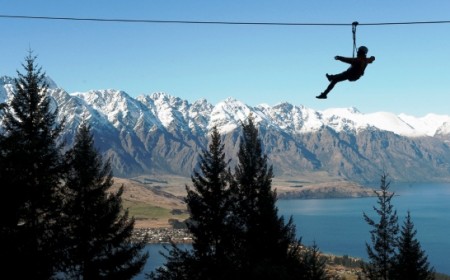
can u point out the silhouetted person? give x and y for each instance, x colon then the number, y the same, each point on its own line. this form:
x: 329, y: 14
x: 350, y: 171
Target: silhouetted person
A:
x: 353, y: 73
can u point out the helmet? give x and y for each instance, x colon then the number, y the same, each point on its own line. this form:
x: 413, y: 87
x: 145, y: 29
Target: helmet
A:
x: 363, y: 50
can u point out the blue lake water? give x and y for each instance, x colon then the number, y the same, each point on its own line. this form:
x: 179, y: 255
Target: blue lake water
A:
x: 338, y: 227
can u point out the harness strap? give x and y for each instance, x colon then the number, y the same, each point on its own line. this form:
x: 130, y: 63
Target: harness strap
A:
x: 354, y: 24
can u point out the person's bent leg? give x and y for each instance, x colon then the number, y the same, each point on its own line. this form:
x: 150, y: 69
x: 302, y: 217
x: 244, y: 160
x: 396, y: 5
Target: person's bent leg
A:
x: 339, y: 77
x: 330, y: 87
x: 334, y: 79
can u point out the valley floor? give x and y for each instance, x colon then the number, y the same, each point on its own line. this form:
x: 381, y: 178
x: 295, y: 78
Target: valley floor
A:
x: 158, y: 202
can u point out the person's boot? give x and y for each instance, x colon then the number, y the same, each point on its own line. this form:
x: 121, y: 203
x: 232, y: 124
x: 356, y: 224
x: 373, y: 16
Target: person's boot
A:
x: 321, y: 96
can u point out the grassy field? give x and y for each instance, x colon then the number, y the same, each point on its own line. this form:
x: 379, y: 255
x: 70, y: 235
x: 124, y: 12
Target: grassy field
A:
x: 146, y: 213
x: 151, y: 207
x: 142, y: 210
x: 154, y: 201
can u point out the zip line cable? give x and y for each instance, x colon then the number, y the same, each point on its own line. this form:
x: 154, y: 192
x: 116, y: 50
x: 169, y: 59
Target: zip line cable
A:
x: 217, y: 22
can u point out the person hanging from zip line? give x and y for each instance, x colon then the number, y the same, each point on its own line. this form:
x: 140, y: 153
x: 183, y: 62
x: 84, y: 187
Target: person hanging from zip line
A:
x: 357, y: 66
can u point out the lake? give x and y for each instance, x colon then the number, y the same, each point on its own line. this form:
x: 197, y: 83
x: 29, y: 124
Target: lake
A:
x: 338, y: 226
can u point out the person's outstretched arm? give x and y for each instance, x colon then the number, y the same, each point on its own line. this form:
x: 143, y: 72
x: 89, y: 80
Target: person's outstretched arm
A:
x: 348, y: 60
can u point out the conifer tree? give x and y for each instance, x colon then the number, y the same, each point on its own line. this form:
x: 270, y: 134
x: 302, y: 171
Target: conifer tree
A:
x: 100, y: 233
x: 314, y: 265
x: 383, y: 235
x: 267, y: 247
x: 411, y: 262
x: 235, y: 224
x: 30, y: 172
x: 180, y: 265
x: 209, y: 207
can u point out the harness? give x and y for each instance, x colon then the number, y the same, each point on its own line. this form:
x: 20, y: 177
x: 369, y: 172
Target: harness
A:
x: 354, y: 24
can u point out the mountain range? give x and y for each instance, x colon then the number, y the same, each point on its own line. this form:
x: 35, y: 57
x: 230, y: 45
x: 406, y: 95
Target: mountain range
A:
x: 161, y: 134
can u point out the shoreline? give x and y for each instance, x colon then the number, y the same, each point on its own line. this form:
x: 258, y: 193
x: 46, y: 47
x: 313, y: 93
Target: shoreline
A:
x: 344, y: 266
x: 163, y: 235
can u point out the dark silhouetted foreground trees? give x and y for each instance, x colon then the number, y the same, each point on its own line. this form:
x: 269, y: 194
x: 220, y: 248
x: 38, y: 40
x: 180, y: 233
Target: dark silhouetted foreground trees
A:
x: 31, y: 170
x: 237, y: 233
x: 267, y: 246
x: 411, y: 262
x: 383, y: 235
x: 314, y: 264
x: 99, y: 232
x: 393, y: 256
x: 211, y: 220
x: 56, y: 219
x: 210, y: 223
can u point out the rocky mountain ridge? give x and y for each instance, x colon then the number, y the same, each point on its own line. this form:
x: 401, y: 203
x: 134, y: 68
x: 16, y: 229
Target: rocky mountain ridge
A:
x: 163, y: 134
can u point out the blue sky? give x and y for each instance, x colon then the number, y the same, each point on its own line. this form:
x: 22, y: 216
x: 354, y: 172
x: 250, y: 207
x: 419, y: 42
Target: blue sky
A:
x: 254, y: 64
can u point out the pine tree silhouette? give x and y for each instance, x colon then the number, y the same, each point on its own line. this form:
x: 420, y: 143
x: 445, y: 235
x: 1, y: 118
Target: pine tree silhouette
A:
x: 210, y: 223
x: 267, y: 246
x: 411, y: 262
x: 315, y: 266
x: 234, y: 221
x: 30, y: 171
x: 100, y: 244
x: 383, y: 235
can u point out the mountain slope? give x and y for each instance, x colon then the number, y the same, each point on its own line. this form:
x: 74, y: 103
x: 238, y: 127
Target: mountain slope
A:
x: 162, y: 134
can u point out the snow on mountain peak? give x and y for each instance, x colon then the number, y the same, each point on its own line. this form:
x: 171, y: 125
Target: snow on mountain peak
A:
x: 429, y: 125
x: 6, y: 85
x: 162, y: 109
x: 4, y: 80
x: 228, y: 114
x: 164, y: 106
x: 405, y: 125
x: 50, y: 83
x: 117, y: 106
x: 444, y: 129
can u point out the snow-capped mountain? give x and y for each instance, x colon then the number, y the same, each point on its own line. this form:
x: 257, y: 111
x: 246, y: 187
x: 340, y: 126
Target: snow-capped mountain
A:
x: 159, y: 133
